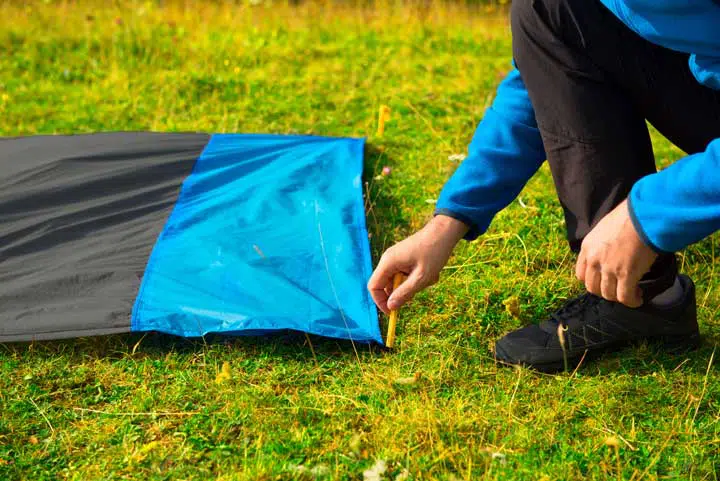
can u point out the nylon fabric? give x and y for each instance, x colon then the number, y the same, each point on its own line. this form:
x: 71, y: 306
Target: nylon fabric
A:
x: 79, y: 216
x: 268, y: 234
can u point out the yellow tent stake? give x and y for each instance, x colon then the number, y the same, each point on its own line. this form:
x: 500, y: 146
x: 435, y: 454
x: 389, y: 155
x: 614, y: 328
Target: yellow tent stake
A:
x: 390, y: 341
x: 383, y: 116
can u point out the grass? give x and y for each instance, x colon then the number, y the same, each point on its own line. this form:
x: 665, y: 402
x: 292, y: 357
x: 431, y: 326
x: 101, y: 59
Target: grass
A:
x: 129, y: 407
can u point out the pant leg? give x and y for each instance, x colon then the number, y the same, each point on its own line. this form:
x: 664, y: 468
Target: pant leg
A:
x: 593, y: 82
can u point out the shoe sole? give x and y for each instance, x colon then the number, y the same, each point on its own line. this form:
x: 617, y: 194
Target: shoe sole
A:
x: 673, y: 345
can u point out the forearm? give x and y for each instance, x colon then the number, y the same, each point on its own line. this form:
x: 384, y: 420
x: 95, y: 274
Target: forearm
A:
x: 448, y: 228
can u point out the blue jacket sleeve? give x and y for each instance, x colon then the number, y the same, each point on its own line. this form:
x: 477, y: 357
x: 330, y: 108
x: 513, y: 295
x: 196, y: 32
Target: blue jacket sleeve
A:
x: 505, y: 152
x: 682, y: 25
x: 679, y: 205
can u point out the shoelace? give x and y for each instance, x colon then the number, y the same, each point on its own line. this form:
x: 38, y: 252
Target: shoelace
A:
x: 576, y: 306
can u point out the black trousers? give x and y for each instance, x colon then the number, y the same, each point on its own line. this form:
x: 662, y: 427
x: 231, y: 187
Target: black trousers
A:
x: 593, y: 83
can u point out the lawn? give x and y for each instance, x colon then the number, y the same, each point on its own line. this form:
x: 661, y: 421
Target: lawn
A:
x: 287, y: 407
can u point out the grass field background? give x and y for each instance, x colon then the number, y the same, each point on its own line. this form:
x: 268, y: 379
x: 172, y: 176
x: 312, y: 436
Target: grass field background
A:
x: 154, y: 407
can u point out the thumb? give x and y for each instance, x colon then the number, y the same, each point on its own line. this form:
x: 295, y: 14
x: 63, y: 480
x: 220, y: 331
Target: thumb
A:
x: 406, y: 290
x: 581, y: 266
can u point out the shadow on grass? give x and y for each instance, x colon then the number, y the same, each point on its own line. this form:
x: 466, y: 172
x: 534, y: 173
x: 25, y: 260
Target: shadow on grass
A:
x: 384, y: 217
x: 155, y: 345
x: 647, y: 359
x: 643, y: 360
x: 385, y: 220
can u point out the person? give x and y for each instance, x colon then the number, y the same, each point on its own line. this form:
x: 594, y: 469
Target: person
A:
x: 587, y: 75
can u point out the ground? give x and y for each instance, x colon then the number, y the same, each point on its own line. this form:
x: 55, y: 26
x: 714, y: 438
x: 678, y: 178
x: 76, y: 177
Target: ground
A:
x: 154, y: 407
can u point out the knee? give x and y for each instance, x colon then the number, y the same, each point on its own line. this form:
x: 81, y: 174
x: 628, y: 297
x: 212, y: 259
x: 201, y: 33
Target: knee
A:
x: 552, y: 18
x: 523, y: 20
x: 521, y: 11
x: 538, y: 22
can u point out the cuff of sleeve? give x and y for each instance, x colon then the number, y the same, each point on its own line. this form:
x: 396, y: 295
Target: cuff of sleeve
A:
x: 641, y: 231
x: 472, y: 234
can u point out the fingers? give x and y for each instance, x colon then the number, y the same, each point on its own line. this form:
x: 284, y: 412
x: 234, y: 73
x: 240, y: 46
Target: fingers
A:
x: 380, y: 298
x: 593, y: 280
x: 416, y: 281
x: 580, y: 267
x: 628, y: 292
x: 613, y: 259
x: 608, y: 287
x: 380, y: 282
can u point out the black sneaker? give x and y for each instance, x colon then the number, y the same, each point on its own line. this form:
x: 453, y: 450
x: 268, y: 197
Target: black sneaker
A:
x: 588, y: 326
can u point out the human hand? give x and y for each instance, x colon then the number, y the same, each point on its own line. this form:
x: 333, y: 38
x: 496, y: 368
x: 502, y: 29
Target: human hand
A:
x: 613, y: 258
x: 420, y: 257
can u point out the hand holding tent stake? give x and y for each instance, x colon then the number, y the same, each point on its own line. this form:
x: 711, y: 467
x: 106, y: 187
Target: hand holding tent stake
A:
x: 390, y: 341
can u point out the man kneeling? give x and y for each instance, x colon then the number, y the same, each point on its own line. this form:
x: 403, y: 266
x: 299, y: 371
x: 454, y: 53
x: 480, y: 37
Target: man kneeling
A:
x: 587, y: 76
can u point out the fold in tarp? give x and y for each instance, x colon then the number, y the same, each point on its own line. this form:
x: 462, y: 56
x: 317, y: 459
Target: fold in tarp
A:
x: 186, y: 234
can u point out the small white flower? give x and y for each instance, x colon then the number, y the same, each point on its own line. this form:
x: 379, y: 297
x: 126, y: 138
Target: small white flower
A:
x: 500, y: 457
x: 376, y: 472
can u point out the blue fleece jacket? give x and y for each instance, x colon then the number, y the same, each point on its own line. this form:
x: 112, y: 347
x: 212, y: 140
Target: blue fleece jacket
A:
x: 671, y: 209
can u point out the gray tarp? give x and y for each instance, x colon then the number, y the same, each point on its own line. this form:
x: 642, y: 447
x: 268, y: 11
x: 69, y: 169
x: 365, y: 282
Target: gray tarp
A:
x: 79, y: 216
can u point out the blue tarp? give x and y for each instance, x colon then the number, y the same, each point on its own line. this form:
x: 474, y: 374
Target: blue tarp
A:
x: 268, y: 233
